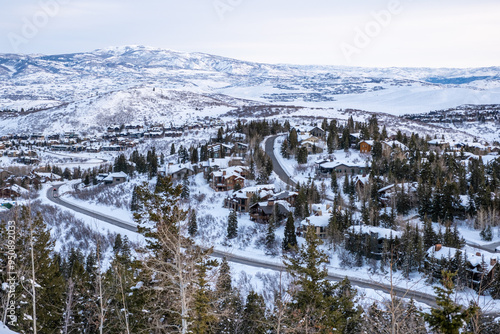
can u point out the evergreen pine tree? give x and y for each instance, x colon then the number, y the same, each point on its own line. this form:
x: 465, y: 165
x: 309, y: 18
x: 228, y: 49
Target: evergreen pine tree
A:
x: 134, y: 202
x: 174, y: 263
x: 346, y: 186
x: 308, y: 272
x: 227, y: 301
x: 121, y: 164
x: 35, y: 255
x: 223, y: 285
x: 448, y: 317
x: 290, y: 239
x: 220, y: 135
x: 232, y: 225
x: 302, y: 155
x: 486, y: 234
x: 192, y: 224
x: 293, y: 139
x: 318, y: 306
x: 86, y: 180
x: 185, y: 187
x: 203, y: 318
x: 254, y: 315
x: 270, y: 237
x: 285, y: 151
x: 334, y: 184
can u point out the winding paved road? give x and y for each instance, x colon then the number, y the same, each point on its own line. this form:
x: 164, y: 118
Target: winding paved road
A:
x: 269, y: 148
x: 53, y: 195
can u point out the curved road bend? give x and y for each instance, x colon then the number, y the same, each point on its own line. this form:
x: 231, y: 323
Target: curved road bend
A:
x: 93, y: 214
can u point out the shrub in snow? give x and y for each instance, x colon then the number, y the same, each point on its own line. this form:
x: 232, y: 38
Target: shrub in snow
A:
x: 486, y: 234
x: 347, y: 259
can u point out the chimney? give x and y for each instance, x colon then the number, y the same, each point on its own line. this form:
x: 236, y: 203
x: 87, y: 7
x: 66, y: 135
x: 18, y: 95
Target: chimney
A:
x: 223, y: 173
x: 438, y: 247
x: 493, y: 262
x: 478, y: 254
x: 270, y: 202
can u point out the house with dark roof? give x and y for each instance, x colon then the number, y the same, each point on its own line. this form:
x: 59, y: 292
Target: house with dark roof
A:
x: 240, y: 200
x: 261, y: 212
x: 317, y: 132
x: 340, y: 168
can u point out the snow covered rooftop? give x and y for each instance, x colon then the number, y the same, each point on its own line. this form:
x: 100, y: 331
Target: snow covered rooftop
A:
x: 395, y: 143
x: 261, y: 190
x: 171, y: 169
x: 474, y: 257
x: 112, y: 176
x: 382, y: 232
x: 350, y: 158
x: 316, y: 221
x: 48, y: 175
x: 230, y: 171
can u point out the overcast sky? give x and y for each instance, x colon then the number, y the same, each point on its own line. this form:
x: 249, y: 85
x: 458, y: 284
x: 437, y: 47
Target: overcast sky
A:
x: 444, y: 33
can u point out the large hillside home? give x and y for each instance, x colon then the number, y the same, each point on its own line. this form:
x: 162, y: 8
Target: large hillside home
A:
x: 227, y: 179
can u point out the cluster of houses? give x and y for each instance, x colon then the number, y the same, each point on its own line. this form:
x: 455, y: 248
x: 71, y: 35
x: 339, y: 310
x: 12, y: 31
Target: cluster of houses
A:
x: 9, y: 182
x: 478, y: 148
x: 312, y: 137
x: 114, y: 139
x: 10, y: 189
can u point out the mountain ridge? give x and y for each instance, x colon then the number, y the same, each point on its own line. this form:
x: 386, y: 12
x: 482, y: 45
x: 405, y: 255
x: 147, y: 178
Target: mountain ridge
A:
x: 87, y: 83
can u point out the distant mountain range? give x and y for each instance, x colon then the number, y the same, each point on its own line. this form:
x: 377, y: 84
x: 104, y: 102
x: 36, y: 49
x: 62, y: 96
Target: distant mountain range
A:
x: 142, y: 84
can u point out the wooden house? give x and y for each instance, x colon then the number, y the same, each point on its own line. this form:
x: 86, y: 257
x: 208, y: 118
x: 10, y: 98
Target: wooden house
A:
x: 366, y: 146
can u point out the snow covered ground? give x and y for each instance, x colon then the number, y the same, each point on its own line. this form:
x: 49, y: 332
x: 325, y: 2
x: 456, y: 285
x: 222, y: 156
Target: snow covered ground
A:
x: 5, y: 330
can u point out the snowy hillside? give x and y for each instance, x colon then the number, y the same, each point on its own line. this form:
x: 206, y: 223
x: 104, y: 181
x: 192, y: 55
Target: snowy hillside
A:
x: 141, y: 84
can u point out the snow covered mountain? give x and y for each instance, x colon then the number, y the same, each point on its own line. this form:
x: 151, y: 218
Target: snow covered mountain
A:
x: 141, y: 84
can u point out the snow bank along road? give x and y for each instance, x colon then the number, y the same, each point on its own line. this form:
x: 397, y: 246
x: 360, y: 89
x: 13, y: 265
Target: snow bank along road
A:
x: 401, y: 292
